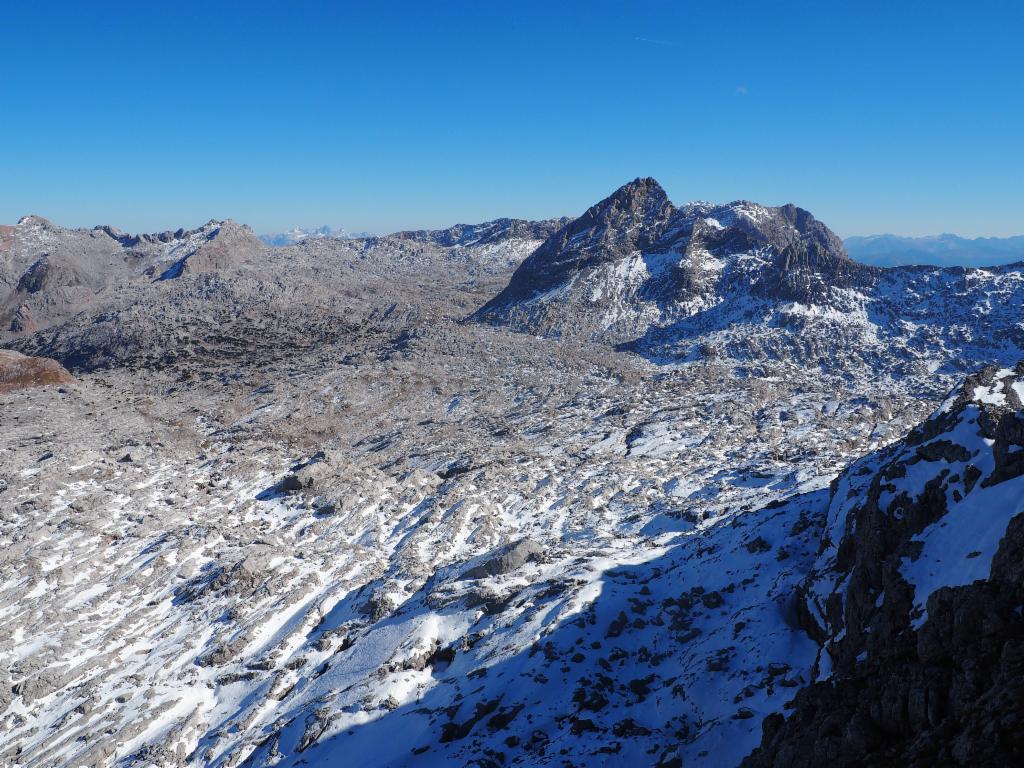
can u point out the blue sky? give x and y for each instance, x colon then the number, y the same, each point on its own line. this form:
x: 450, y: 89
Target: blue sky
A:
x: 900, y: 117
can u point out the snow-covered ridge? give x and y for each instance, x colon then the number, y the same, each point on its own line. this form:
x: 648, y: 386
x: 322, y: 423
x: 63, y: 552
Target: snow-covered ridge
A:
x: 747, y: 282
x: 942, y: 498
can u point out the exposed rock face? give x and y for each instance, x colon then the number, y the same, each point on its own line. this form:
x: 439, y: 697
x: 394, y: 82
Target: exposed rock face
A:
x: 635, y: 259
x: 806, y: 270
x: 629, y: 220
x: 918, y: 597
x: 228, y: 245
x: 749, y: 282
x: 21, y: 320
x: 20, y: 372
x: 48, y: 273
x: 487, y: 233
x: 949, y: 693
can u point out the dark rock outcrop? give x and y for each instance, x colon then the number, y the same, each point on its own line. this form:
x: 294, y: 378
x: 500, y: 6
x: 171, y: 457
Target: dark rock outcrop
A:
x: 630, y: 219
x: 932, y: 672
x: 950, y: 693
x: 506, y: 559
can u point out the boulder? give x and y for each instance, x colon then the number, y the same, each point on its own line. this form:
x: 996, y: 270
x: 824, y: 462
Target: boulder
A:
x: 506, y: 559
x: 18, y: 371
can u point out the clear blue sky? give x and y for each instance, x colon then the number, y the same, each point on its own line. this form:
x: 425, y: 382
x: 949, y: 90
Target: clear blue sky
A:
x: 903, y: 117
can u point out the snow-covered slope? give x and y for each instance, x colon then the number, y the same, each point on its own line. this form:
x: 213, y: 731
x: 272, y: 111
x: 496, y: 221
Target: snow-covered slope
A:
x: 174, y: 596
x: 748, y: 282
x: 292, y: 510
x: 639, y: 588
x: 917, y: 597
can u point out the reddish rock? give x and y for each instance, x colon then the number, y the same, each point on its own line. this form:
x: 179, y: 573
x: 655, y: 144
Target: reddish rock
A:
x: 20, y: 372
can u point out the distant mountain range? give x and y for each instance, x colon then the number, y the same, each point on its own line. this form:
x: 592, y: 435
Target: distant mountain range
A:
x: 495, y: 231
x: 946, y: 250
x: 939, y: 250
x: 297, y: 235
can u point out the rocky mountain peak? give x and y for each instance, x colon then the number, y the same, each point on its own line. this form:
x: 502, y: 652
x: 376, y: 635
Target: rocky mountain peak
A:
x: 642, y: 196
x: 33, y: 220
x: 230, y: 226
x: 632, y: 216
x: 215, y: 246
x: 634, y: 260
x: 629, y: 220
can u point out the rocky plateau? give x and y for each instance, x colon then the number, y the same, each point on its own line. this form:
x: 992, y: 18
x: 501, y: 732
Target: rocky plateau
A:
x: 656, y: 485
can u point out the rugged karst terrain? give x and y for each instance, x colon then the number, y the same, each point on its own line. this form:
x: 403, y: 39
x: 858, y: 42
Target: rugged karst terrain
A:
x: 609, y: 490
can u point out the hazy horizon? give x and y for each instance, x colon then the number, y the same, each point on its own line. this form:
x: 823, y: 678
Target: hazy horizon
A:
x: 353, y: 230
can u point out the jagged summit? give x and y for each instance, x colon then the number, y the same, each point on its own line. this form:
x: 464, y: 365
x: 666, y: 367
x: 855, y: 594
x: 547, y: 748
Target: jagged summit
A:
x: 631, y: 218
x: 634, y: 260
x: 48, y: 273
x: 640, y: 195
x: 750, y: 282
x: 634, y: 215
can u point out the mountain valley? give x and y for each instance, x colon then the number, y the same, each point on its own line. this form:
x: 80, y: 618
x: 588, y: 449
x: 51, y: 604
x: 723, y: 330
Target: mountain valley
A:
x: 655, y: 485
